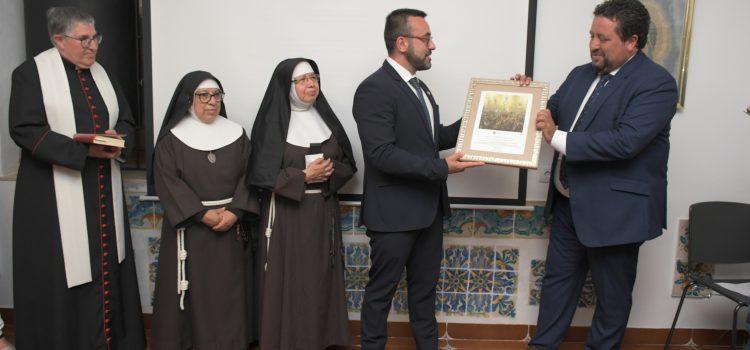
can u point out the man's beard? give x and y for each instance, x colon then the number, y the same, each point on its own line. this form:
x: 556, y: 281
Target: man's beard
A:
x: 416, y: 62
x: 603, y: 67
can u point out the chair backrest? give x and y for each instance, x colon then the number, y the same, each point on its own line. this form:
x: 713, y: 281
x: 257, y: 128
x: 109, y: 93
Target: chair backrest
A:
x: 719, y: 233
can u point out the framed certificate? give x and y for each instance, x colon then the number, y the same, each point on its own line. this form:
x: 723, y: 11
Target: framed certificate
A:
x: 498, y: 123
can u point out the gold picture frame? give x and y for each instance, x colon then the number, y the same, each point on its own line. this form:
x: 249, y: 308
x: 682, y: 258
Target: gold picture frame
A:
x: 669, y: 38
x: 498, y: 123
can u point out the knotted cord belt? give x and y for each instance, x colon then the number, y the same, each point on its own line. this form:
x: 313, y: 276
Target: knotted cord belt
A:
x: 182, y: 282
x: 272, y: 219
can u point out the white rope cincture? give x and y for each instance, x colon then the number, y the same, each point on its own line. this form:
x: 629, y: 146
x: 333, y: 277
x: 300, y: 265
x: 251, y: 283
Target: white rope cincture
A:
x: 269, y: 226
x: 272, y: 219
x: 182, y: 282
x: 217, y: 202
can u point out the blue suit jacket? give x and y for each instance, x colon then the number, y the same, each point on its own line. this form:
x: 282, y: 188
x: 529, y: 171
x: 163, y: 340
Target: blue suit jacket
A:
x: 616, y: 162
x: 404, y: 175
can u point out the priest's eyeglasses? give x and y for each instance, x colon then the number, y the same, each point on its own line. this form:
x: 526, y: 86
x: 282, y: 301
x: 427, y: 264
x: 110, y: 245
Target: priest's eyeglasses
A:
x: 315, y: 78
x: 87, y: 41
x: 205, y: 97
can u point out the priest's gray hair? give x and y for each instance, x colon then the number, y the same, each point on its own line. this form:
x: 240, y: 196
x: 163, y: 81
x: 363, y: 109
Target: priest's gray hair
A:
x: 62, y: 19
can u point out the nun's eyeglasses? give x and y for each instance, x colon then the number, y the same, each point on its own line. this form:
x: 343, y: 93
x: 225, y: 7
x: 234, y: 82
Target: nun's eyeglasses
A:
x: 315, y: 78
x: 205, y: 97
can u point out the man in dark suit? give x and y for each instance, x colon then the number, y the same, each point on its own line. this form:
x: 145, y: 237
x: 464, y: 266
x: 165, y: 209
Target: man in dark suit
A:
x: 405, y: 197
x: 609, y: 125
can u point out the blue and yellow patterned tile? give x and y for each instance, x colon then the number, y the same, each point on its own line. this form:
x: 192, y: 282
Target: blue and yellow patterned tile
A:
x: 698, y: 291
x: 480, y: 281
x: 440, y: 299
x: 158, y: 216
x: 347, y: 219
x: 456, y: 257
x: 504, y: 282
x: 460, y: 224
x: 131, y: 200
x: 535, y: 293
x: 402, y: 284
x: 153, y: 244
x: 682, y: 239
x: 506, y: 259
x: 354, y: 300
x: 588, y: 294
x: 400, y: 303
x: 479, y: 305
x: 482, y: 258
x: 537, y: 269
x: 530, y: 224
x: 493, y: 223
x: 504, y: 305
x: 455, y: 303
x: 133, y: 184
x: 441, y: 280
x: 139, y: 213
x: 456, y: 281
x: 358, y: 254
x: 356, y: 277
x: 358, y: 229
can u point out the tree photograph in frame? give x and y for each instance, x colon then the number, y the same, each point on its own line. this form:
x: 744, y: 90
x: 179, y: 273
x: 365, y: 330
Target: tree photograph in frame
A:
x: 498, y: 123
x: 669, y: 38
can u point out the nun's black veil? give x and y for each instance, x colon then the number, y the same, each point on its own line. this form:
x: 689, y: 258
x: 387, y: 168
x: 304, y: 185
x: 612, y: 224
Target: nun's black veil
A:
x: 268, y: 137
x: 178, y: 108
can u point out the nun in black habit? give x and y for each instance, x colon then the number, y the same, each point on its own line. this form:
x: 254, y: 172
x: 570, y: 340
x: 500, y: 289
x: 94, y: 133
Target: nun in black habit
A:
x: 204, y: 295
x: 301, y: 157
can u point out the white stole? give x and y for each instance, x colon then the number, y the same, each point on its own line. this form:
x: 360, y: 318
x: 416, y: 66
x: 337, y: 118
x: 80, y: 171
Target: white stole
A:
x: 71, y: 210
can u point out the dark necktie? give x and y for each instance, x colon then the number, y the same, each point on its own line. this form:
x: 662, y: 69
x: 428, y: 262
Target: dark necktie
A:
x: 594, y: 95
x: 415, y: 83
x: 597, y: 91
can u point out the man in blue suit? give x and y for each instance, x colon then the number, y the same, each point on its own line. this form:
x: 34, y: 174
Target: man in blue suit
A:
x: 405, y: 196
x: 609, y: 125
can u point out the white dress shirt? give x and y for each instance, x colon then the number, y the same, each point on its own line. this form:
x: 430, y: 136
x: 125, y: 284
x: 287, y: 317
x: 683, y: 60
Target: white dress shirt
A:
x: 560, y: 138
x: 406, y: 76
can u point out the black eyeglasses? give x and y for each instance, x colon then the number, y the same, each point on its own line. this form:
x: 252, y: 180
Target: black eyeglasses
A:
x: 315, y: 78
x: 427, y: 39
x: 206, y: 96
x: 86, y: 41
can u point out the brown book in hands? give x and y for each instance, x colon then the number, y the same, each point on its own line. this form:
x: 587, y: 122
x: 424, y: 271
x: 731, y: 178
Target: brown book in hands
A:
x: 111, y: 140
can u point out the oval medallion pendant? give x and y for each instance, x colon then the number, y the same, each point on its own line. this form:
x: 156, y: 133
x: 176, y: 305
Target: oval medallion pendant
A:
x: 211, y: 157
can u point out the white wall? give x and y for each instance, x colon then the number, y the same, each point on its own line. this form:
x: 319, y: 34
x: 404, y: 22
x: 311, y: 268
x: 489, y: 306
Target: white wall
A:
x: 345, y: 39
x: 709, y: 138
x: 707, y: 160
x: 12, y: 54
x: 6, y: 264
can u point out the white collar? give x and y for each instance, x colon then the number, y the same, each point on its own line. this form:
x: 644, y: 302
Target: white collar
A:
x: 306, y: 127
x: 402, y: 72
x: 206, y: 137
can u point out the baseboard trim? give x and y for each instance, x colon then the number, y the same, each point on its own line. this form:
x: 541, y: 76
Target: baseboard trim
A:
x: 514, y: 332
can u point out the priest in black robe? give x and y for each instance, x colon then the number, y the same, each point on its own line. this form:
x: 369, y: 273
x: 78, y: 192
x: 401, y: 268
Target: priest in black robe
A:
x: 74, y: 275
